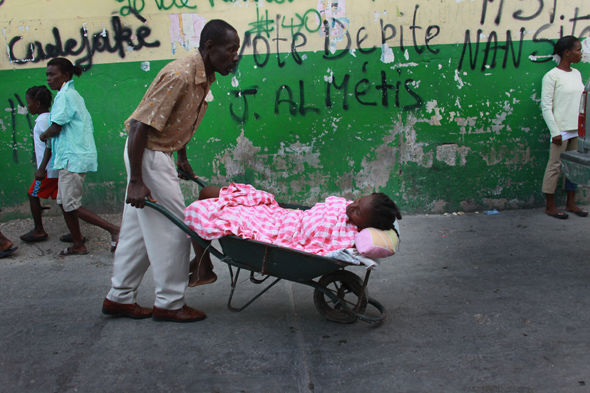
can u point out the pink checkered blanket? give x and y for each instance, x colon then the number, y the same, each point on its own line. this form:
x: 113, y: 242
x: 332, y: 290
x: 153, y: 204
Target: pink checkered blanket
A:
x: 249, y: 213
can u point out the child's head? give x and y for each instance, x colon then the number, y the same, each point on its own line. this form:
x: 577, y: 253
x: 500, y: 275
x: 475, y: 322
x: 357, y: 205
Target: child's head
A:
x: 60, y: 70
x: 38, y: 99
x: 375, y: 211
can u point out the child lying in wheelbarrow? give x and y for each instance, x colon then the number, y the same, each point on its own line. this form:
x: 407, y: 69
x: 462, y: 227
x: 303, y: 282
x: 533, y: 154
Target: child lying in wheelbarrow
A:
x: 242, y: 210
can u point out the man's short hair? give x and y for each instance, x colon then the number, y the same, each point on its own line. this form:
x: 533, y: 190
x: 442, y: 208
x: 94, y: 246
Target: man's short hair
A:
x: 215, y: 30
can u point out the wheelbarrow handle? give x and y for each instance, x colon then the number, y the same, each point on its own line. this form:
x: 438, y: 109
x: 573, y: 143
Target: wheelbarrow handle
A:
x: 193, y: 178
x: 185, y: 228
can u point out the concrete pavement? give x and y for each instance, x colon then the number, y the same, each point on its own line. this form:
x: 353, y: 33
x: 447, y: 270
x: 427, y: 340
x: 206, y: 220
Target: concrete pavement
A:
x: 476, y: 303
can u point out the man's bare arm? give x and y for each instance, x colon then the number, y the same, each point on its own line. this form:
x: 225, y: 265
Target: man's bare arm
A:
x: 137, y: 191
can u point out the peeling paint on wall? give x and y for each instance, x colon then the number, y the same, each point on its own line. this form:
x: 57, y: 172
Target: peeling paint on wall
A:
x: 185, y: 31
x: 387, y: 55
x: 235, y: 160
x: 452, y: 154
x: 459, y: 81
x: 410, y: 149
x: 334, y: 21
x: 515, y: 154
x: 431, y: 106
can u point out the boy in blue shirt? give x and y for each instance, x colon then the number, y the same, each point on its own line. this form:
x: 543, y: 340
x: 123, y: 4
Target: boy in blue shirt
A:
x: 74, y: 152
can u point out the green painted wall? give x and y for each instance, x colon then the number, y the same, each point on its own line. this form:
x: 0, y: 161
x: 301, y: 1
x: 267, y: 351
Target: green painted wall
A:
x: 440, y: 139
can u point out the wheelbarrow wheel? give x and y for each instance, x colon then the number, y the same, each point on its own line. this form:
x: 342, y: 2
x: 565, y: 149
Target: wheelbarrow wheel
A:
x: 347, y: 287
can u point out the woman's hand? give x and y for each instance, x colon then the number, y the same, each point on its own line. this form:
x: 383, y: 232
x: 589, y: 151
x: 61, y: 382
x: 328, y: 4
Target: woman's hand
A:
x: 556, y: 140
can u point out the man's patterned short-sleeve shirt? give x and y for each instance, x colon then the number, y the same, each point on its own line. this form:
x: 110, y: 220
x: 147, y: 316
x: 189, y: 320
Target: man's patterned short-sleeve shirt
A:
x: 174, y: 104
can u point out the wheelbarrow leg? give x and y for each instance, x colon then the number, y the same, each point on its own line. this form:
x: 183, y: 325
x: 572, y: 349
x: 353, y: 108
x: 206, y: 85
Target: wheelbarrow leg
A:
x: 363, y: 294
x: 234, y: 282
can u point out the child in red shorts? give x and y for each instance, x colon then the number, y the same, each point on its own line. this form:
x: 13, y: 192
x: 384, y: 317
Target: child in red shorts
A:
x: 45, y: 183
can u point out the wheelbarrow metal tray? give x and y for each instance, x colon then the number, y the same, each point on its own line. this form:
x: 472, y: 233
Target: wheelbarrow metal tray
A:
x: 576, y: 166
x: 273, y: 260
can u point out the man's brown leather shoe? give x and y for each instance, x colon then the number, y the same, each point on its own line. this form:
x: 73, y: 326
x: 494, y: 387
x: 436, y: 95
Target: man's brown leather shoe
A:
x: 125, y: 310
x: 184, y: 314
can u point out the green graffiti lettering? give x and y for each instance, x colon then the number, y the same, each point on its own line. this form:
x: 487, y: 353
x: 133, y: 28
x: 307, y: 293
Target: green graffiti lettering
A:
x: 299, y: 22
x: 161, y: 4
x: 263, y: 24
x: 134, y: 7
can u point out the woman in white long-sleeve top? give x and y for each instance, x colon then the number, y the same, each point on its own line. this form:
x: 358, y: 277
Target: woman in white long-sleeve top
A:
x: 560, y: 103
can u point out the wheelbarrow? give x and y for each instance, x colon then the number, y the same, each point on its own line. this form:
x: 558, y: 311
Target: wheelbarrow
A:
x: 339, y: 295
x: 576, y: 164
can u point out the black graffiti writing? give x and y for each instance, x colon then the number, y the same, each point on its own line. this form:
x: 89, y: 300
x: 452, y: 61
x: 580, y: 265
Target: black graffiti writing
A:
x: 294, y: 46
x: 484, y: 10
x: 243, y: 94
x: 342, y: 86
x: 388, y: 32
x: 28, y: 116
x: 388, y: 93
x: 415, y: 27
x: 261, y: 48
x: 548, y: 43
x: 86, y: 47
x: 13, y: 120
x: 138, y: 15
x: 481, y: 52
x: 537, y: 40
x: 520, y: 14
x: 362, y: 88
x: 536, y: 10
x: 574, y: 21
x: 385, y: 87
x: 360, y: 40
x: 261, y: 43
x: 277, y: 40
x: 422, y: 37
x: 257, y: 53
x: 294, y: 107
x: 491, y: 50
x: 327, y: 51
